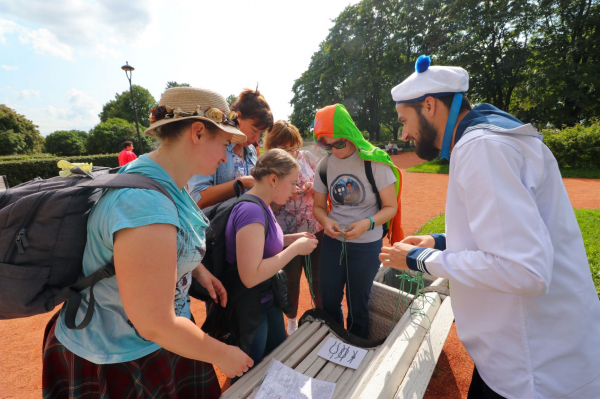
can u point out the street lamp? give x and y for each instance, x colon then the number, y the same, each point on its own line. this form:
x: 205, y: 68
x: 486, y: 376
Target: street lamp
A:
x: 128, y: 69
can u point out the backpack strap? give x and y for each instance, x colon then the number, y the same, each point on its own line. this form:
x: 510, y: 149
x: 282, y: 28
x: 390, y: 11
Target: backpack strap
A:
x: 255, y: 200
x: 371, y: 179
x: 323, y: 170
x: 72, y: 294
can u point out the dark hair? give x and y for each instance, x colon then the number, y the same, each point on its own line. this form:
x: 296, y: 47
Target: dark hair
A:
x: 282, y: 133
x: 252, y: 105
x: 447, y: 100
x: 127, y: 144
x: 275, y: 161
x: 172, y: 130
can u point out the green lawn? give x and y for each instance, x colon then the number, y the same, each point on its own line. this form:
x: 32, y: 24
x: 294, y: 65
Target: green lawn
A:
x: 441, y: 167
x: 589, y: 223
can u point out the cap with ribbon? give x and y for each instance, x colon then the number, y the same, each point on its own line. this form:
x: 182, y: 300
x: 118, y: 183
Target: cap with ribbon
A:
x: 435, y: 81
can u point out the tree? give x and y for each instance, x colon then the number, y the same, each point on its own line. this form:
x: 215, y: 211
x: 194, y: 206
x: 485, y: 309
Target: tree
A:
x: 66, y: 142
x: 108, y: 137
x: 18, y: 135
x: 122, y: 107
x: 171, y: 84
x: 231, y: 99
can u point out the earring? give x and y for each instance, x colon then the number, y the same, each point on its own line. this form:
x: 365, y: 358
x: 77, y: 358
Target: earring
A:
x: 273, y: 186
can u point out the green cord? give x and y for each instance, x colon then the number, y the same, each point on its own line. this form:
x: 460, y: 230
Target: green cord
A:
x: 417, y: 305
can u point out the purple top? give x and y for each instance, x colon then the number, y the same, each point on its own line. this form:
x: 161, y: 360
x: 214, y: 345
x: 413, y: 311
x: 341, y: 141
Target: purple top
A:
x: 244, y: 214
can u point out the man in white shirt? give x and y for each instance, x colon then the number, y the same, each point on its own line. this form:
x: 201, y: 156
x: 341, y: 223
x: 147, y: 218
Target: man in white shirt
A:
x: 392, y: 148
x: 524, y: 301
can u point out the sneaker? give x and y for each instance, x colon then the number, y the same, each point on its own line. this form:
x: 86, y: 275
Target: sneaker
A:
x: 292, y: 326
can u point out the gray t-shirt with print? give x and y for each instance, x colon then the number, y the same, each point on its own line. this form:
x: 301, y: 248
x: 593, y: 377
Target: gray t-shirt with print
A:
x: 352, y: 196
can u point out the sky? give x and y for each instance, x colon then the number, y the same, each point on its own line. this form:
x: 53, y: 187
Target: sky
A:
x: 60, y: 61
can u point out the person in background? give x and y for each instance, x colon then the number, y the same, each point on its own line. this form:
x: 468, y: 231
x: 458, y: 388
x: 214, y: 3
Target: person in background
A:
x: 257, y: 257
x: 127, y: 154
x: 142, y: 340
x: 296, y: 215
x: 254, y: 116
x: 392, y: 148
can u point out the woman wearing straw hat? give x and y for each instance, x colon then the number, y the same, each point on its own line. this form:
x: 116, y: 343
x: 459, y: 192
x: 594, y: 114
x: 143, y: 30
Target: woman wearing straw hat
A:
x: 254, y: 116
x: 142, y: 340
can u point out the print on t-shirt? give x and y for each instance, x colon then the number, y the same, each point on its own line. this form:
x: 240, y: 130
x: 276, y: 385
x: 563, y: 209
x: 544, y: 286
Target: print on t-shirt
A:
x: 348, y: 190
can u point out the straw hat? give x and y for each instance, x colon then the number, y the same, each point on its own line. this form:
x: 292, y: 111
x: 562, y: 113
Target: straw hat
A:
x: 180, y: 103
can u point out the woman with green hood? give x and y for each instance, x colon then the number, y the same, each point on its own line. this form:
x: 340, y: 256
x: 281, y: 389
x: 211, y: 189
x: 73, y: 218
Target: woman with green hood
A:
x: 363, y: 187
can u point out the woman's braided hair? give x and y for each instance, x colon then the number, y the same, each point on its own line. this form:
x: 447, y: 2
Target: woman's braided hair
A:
x: 274, y: 162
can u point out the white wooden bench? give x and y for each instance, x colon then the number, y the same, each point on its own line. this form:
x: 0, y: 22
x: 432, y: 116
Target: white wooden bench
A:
x: 399, y: 368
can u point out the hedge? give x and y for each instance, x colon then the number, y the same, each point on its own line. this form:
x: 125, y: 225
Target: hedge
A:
x: 17, y: 171
x: 575, y: 147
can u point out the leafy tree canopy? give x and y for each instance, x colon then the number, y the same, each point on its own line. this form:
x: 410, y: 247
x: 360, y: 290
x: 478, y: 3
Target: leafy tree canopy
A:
x: 108, y: 137
x: 18, y: 135
x: 175, y: 84
x: 122, y: 107
x: 231, y: 99
x: 66, y: 142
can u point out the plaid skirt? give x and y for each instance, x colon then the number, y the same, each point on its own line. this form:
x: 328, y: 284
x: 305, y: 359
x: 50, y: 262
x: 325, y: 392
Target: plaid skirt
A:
x: 159, y: 375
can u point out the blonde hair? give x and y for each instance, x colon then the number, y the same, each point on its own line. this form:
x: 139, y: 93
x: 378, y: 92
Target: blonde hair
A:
x: 274, y: 162
x: 282, y: 133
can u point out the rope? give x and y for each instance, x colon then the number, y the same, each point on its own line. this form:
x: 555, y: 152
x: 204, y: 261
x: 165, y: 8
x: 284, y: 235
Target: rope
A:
x: 417, y: 305
x: 343, y: 254
x: 309, y: 279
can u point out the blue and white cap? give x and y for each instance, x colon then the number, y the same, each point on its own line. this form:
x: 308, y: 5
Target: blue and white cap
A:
x: 436, y: 81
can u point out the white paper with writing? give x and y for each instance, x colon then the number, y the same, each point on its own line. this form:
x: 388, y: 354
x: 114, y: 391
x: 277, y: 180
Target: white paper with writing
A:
x: 342, y: 353
x: 283, y: 382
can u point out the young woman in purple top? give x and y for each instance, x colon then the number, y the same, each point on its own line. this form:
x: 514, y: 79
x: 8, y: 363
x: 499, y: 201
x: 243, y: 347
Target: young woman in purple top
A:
x: 258, y: 257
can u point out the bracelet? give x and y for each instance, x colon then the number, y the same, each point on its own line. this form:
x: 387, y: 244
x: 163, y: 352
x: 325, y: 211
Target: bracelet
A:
x: 372, y: 222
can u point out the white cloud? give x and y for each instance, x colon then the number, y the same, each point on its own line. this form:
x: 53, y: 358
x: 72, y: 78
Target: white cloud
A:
x: 6, y: 27
x: 103, y: 51
x: 44, y: 42
x: 28, y: 93
x: 10, y: 68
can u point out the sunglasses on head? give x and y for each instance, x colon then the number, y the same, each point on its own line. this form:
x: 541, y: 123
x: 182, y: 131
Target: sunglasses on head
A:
x: 337, y: 145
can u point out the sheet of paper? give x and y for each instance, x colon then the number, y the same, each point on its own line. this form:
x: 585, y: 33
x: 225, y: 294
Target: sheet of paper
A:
x: 283, y: 382
x: 342, y: 353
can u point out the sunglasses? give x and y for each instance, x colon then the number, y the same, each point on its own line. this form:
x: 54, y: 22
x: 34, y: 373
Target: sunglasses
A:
x: 337, y: 145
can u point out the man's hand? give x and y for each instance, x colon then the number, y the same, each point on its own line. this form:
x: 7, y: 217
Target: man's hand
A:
x: 395, y: 256
x: 213, y: 285
x: 420, y: 241
x: 357, y: 229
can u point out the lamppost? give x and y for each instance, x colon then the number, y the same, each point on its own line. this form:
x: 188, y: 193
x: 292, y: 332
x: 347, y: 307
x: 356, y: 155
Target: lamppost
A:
x: 128, y: 69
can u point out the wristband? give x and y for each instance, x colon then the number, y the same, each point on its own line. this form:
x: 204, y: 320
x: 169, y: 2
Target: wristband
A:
x: 372, y: 223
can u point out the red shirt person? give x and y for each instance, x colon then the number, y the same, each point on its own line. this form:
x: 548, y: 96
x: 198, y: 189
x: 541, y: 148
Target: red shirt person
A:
x: 127, y: 154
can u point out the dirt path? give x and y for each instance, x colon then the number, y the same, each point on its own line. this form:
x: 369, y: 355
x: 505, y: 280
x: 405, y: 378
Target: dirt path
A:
x: 424, y: 196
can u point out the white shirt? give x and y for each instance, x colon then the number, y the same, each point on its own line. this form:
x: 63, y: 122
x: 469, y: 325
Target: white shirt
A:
x: 524, y: 301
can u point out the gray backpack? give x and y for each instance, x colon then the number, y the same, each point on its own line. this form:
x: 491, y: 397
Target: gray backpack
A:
x: 43, y: 232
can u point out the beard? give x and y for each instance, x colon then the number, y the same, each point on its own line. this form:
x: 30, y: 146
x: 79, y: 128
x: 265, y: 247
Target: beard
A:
x: 425, y: 148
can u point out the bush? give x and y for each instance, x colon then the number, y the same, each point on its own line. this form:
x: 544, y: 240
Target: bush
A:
x: 575, y: 147
x: 18, y: 135
x: 66, y: 142
x: 108, y: 137
x: 18, y: 171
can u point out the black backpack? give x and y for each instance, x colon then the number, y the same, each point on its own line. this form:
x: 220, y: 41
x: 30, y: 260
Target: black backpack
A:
x: 43, y: 232
x: 322, y: 170
x: 218, y: 215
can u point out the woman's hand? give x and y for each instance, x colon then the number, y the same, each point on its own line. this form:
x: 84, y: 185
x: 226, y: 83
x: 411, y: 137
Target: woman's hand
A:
x: 395, y: 256
x: 307, y: 188
x: 215, y: 288
x: 331, y: 228
x: 289, y: 239
x: 420, y: 241
x: 304, y: 245
x: 247, y: 181
x: 357, y: 229
x: 234, y: 362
